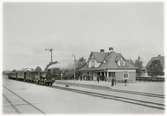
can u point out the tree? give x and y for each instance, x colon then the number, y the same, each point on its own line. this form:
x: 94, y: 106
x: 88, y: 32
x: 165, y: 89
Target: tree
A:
x: 38, y: 69
x: 68, y: 74
x: 155, y: 68
x: 131, y: 62
x: 14, y: 70
x: 139, y: 66
x: 139, y: 63
x: 80, y: 63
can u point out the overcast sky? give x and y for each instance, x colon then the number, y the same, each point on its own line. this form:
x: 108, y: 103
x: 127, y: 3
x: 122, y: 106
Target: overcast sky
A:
x: 132, y: 29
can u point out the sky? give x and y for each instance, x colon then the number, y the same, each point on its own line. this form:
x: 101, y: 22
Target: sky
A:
x: 132, y: 29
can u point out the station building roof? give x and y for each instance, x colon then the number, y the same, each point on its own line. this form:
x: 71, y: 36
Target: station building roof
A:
x: 107, y: 60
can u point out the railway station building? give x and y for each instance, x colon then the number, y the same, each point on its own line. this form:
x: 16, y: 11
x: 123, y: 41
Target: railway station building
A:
x: 106, y: 66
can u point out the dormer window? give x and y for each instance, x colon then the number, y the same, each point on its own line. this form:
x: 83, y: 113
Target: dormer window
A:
x: 92, y: 63
x: 120, y: 62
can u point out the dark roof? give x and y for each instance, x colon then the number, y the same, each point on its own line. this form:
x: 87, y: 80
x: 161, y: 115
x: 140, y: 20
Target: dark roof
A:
x: 99, y: 57
x: 111, y: 62
x: 108, y: 61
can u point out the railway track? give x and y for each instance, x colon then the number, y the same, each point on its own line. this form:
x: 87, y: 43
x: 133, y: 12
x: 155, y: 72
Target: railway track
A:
x: 26, y: 101
x: 10, y: 102
x: 117, y: 98
x: 139, y: 93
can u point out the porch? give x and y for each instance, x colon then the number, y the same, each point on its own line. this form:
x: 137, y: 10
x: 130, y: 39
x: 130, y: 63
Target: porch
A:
x: 98, y: 75
x: 108, y: 75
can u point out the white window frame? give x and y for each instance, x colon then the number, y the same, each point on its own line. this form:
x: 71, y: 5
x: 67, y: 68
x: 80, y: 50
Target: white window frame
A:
x: 127, y: 75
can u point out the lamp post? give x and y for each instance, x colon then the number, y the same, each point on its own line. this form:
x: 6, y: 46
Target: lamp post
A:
x: 74, y: 65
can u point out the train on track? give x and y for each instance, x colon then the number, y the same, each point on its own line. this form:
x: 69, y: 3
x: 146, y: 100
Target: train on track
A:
x: 43, y: 78
x: 37, y: 76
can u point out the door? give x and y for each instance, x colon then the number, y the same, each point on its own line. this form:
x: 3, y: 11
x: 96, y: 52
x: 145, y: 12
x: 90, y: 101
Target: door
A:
x: 112, y: 74
x: 25, y: 74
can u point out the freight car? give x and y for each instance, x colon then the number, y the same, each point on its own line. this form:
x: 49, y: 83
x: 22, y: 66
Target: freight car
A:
x: 42, y: 78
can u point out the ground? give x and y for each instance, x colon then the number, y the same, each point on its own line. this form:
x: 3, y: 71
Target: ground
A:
x: 51, y: 100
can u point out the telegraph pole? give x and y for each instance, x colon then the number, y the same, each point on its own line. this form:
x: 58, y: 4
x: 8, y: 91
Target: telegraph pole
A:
x: 51, y: 53
x: 74, y: 65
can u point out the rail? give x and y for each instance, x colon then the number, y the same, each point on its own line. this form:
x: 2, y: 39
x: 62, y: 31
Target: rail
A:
x: 117, y: 98
x: 26, y: 101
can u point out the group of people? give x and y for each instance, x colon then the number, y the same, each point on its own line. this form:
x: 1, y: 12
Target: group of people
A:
x: 113, y: 81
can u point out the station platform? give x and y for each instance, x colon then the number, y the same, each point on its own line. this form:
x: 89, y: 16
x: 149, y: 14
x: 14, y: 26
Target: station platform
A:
x: 138, y: 86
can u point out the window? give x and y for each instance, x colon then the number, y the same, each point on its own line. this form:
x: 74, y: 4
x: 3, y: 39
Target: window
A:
x: 120, y: 61
x: 104, y: 61
x: 91, y: 63
x: 126, y: 75
x: 111, y: 74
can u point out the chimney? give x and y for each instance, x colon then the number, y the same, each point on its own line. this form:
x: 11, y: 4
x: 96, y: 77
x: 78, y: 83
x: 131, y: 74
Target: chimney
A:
x: 101, y: 50
x: 111, y: 49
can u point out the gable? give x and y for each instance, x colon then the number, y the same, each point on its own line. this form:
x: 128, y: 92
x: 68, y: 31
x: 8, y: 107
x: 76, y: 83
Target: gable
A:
x: 93, y: 63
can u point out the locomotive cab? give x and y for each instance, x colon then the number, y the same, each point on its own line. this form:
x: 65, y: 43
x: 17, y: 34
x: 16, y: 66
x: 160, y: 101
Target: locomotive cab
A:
x: 46, y: 79
x: 49, y: 78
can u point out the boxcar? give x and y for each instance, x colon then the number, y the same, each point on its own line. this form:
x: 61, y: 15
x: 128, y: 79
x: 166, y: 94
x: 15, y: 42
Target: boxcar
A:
x: 12, y: 75
x: 20, y: 75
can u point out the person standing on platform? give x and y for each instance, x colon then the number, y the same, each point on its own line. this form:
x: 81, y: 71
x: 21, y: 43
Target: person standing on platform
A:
x: 125, y: 79
x: 98, y: 79
x: 112, y: 81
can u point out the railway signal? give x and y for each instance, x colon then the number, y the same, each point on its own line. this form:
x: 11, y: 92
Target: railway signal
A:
x: 51, y: 53
x: 51, y: 58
